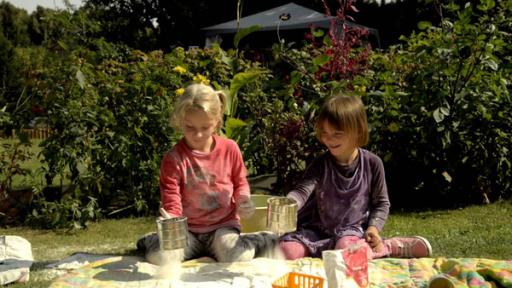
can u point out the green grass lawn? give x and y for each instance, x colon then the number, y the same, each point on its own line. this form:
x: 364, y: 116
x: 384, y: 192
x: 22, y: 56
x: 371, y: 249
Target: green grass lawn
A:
x: 477, y: 232
x: 33, y: 164
x: 116, y: 237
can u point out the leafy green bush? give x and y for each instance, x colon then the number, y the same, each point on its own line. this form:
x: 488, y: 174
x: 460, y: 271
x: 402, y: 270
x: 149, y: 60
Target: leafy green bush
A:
x: 439, y: 107
x: 110, y: 124
x: 110, y: 129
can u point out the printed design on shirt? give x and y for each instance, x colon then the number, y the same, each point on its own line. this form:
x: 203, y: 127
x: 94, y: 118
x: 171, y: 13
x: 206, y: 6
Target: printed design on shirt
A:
x: 204, y: 186
x: 209, y: 201
x: 194, y: 176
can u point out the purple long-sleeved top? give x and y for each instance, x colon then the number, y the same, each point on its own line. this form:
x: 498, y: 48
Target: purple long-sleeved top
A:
x: 341, y: 200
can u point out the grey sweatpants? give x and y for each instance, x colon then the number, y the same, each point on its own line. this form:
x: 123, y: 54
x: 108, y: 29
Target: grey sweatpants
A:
x: 223, y: 244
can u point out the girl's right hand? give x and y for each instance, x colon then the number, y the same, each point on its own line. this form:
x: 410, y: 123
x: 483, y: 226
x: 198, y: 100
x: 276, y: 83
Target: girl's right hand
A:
x: 373, y: 238
x: 165, y: 215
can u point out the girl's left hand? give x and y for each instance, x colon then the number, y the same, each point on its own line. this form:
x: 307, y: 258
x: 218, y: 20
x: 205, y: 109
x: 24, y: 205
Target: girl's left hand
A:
x: 245, y: 208
x: 373, y: 238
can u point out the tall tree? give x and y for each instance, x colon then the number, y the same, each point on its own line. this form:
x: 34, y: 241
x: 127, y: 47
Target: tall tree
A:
x: 13, y: 32
x: 13, y: 24
x: 157, y: 24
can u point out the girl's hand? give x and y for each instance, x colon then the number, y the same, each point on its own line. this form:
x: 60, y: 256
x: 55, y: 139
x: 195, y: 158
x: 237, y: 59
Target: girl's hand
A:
x: 245, y: 208
x: 165, y: 215
x: 373, y: 238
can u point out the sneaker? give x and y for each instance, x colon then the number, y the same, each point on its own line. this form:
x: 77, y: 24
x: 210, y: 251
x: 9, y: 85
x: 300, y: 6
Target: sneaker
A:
x: 410, y: 247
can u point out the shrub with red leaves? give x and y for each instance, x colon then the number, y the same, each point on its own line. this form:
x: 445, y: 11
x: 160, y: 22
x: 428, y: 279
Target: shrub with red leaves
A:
x: 347, y: 52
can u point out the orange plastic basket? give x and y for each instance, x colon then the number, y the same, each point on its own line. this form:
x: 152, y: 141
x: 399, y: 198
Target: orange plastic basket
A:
x: 298, y: 280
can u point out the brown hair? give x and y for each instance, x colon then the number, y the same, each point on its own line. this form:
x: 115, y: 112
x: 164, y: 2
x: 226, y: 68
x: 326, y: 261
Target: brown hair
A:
x: 347, y: 114
x: 202, y: 97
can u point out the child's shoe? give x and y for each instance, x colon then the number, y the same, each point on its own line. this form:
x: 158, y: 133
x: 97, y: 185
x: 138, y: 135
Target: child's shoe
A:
x: 410, y: 247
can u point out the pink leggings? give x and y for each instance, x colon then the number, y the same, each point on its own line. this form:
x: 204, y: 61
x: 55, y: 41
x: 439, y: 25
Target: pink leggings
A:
x: 294, y: 250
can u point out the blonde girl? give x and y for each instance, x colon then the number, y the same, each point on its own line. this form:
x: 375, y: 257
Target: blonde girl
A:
x: 203, y: 177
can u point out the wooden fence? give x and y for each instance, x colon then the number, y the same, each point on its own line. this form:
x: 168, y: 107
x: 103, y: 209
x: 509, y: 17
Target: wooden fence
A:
x: 37, y: 133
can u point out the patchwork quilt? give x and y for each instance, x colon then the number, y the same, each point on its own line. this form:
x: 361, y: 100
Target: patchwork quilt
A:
x: 132, y: 271
x: 440, y: 272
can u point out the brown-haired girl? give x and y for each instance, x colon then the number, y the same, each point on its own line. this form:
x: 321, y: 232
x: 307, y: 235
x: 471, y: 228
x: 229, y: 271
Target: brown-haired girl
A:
x: 343, y: 198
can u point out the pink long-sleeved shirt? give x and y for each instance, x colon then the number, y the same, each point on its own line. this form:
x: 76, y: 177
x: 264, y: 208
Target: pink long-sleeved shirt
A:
x: 204, y: 187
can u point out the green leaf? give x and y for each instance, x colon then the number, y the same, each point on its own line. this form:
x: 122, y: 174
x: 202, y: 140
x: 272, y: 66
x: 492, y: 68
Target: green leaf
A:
x: 63, y: 45
x: 81, y: 78
x: 486, y: 5
x: 393, y: 127
x: 438, y: 116
x: 239, y: 80
x: 231, y: 125
x: 138, y: 131
x: 491, y: 64
x: 321, y: 60
x: 244, y: 32
x: 235, y: 123
x: 295, y: 77
x: 327, y: 41
x: 243, y: 78
x: 452, y: 6
x: 318, y: 33
x: 424, y: 25
x: 447, y: 177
